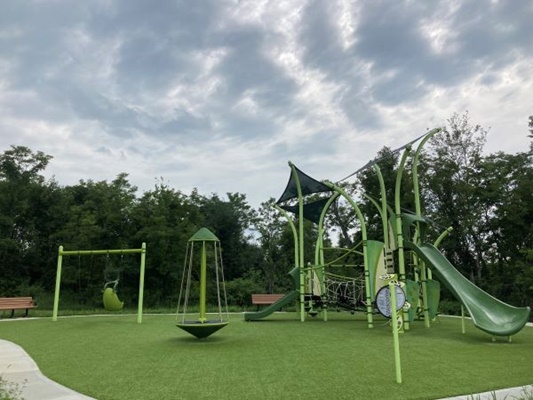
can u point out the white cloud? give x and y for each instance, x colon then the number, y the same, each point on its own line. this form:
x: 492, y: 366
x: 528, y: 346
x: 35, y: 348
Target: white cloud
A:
x: 219, y: 95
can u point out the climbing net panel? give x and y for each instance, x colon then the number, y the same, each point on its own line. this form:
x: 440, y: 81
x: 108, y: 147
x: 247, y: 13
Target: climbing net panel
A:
x: 344, y: 291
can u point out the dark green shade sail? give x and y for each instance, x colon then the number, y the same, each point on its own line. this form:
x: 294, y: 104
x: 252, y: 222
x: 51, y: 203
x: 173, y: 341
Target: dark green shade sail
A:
x: 312, y: 211
x: 309, y: 186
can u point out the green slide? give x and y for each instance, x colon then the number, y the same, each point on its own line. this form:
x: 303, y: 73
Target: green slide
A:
x: 488, y: 313
x: 287, y: 299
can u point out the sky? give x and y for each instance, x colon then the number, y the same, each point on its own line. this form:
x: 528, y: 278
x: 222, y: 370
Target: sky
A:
x: 220, y: 94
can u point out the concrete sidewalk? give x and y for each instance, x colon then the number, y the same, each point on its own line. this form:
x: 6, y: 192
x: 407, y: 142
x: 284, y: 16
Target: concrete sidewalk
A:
x: 17, y: 367
x: 502, y: 394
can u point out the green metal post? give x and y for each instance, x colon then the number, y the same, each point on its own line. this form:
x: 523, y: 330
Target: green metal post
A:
x: 141, y: 285
x: 418, y: 211
x: 369, y: 315
x: 442, y: 236
x: 463, y: 329
x: 319, y: 248
x: 203, y: 283
x: 318, y: 268
x: 294, y: 232
x: 416, y: 187
x: 395, y: 338
x: 58, y: 283
x: 424, y: 279
x: 398, y: 212
x: 383, y: 213
x: 437, y: 243
x: 301, y: 258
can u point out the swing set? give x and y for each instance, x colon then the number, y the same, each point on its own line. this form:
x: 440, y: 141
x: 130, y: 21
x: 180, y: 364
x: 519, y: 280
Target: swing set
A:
x: 110, y: 297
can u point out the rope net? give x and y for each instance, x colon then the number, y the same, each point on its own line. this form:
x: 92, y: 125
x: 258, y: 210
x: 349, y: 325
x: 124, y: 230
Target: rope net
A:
x: 345, y: 292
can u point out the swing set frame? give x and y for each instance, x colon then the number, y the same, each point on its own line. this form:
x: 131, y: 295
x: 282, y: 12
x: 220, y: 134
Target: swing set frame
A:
x: 62, y: 253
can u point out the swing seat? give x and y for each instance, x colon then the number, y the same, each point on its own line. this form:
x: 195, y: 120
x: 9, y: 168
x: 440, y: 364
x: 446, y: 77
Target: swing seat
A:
x: 111, y: 300
x: 201, y: 329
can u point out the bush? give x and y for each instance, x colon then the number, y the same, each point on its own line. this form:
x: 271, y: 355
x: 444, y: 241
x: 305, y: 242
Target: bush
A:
x: 10, y: 390
x: 450, y: 307
x: 239, y: 291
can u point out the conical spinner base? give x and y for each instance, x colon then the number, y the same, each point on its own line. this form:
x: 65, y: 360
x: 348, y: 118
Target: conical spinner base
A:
x: 201, y: 329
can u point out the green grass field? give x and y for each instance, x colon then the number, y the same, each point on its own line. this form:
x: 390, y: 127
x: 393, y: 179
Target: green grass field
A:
x: 114, y: 358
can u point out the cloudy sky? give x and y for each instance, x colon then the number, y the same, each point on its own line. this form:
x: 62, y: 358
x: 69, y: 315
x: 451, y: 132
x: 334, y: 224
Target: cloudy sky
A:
x: 220, y: 94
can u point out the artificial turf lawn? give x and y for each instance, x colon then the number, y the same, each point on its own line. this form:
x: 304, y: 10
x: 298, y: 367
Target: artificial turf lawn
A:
x: 115, y: 358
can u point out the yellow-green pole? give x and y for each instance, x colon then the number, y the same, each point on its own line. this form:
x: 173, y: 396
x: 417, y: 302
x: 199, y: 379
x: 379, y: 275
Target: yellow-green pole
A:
x: 319, y: 249
x: 203, y: 283
x: 58, y: 283
x: 395, y: 336
x: 369, y: 310
x: 294, y: 233
x: 463, y: 329
x: 141, y: 285
x: 418, y: 211
x: 398, y: 212
x: 383, y: 209
x: 445, y: 233
x: 301, y: 258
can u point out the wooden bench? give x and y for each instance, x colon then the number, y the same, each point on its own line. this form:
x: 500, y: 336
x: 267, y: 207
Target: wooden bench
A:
x: 259, y: 299
x: 17, y: 303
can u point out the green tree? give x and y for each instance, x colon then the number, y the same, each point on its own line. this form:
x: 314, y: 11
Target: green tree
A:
x: 22, y: 187
x: 451, y: 186
x: 231, y: 221
x: 368, y: 185
x: 99, y: 214
x: 277, y: 252
x: 509, y: 183
x: 98, y: 217
x: 165, y: 219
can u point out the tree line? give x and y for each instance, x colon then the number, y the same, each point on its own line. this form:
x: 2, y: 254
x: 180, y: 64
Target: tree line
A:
x: 486, y: 199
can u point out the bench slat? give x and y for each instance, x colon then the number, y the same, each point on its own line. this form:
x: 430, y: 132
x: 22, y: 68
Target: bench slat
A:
x: 260, y: 298
x: 17, y: 303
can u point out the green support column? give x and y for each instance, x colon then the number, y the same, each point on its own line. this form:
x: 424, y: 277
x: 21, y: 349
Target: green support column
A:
x: 418, y: 211
x: 383, y: 212
x: 438, y: 241
x: 58, y: 283
x: 301, y: 258
x: 319, y: 248
x: 398, y: 212
x: 294, y: 232
x: 203, y: 283
x: 369, y: 314
x: 141, y: 285
x: 463, y: 328
x: 294, y: 235
x: 395, y: 337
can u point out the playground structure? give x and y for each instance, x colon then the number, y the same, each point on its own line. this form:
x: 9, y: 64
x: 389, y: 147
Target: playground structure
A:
x: 404, y: 237
x: 197, y: 324
x: 110, y: 299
